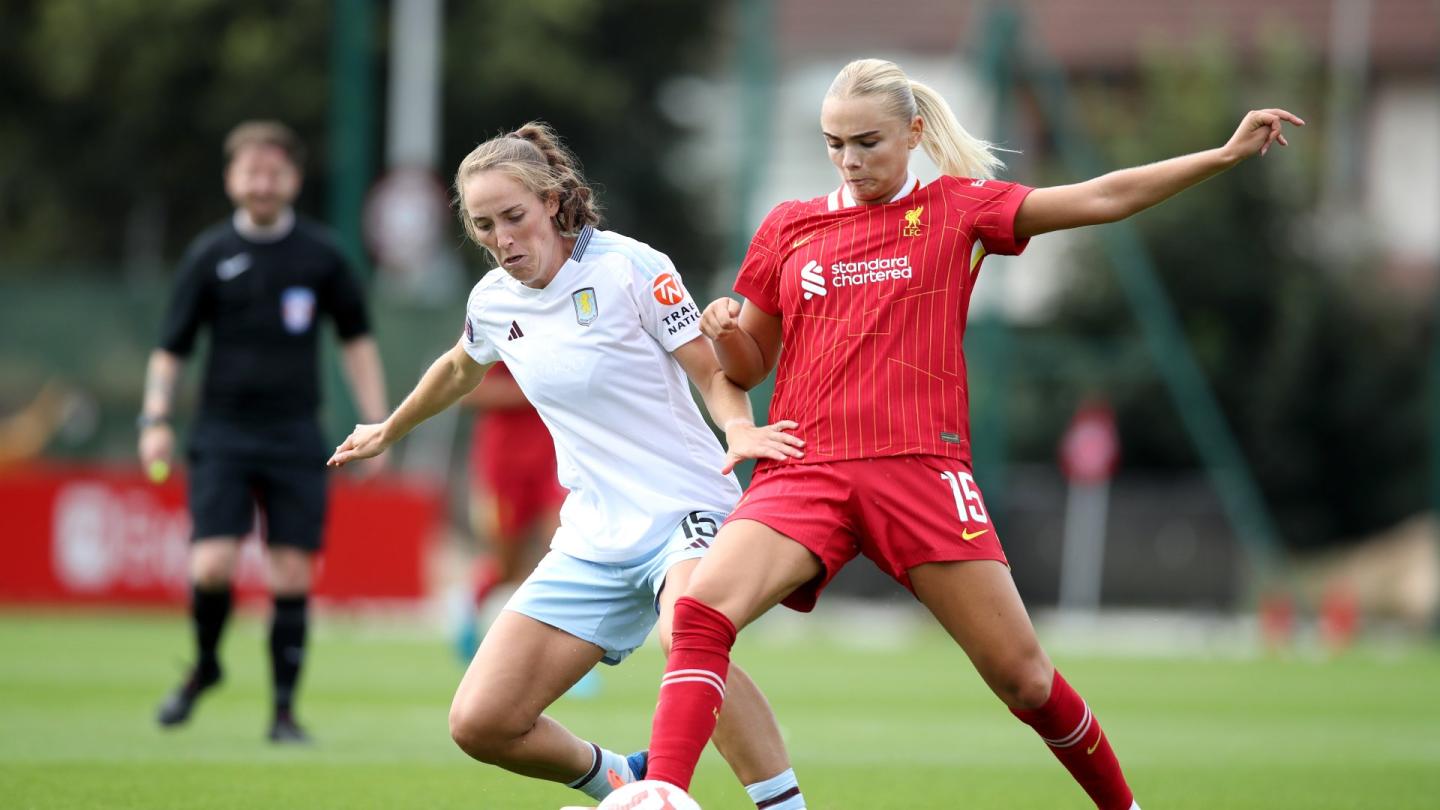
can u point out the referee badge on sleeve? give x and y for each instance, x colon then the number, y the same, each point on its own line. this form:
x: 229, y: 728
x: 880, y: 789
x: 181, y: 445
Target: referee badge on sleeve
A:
x: 586, y: 309
x: 297, y: 308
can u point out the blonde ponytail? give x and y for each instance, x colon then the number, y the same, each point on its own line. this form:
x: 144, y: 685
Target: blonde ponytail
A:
x: 954, y: 151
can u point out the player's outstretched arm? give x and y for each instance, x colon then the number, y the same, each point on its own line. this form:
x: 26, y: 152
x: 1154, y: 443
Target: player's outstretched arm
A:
x: 450, y: 377
x: 1120, y: 194
x: 729, y: 407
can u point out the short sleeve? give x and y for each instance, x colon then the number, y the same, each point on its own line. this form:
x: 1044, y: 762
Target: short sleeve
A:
x: 347, y: 301
x: 472, y: 337
x: 667, y: 312
x: 190, y: 303
x: 994, y: 204
x: 759, y: 278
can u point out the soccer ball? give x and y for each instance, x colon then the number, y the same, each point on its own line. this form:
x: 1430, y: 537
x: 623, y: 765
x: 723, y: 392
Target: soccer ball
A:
x: 647, y: 794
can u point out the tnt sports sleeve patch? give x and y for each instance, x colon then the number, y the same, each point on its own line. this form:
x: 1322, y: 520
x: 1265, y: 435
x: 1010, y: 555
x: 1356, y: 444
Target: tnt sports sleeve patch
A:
x: 667, y: 311
x: 679, y: 314
x: 759, y: 278
x: 993, y: 205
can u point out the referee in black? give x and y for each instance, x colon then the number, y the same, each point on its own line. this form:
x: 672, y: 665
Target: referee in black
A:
x: 261, y: 283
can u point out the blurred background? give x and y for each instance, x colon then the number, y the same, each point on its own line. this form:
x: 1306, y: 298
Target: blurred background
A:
x: 1210, y: 436
x: 1228, y: 407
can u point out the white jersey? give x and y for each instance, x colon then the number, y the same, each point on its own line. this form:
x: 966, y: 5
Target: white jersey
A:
x: 591, y: 351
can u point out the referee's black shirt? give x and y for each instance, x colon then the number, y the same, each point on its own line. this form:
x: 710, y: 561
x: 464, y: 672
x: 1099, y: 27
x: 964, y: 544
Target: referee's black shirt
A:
x: 263, y: 302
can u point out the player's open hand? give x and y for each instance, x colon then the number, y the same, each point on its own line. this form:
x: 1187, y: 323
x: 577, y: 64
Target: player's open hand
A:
x: 1258, y: 130
x: 721, y: 319
x: 745, y: 440
x: 366, y: 441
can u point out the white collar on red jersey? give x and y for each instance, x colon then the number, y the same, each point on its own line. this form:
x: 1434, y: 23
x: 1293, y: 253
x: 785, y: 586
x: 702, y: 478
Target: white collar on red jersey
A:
x: 842, y: 198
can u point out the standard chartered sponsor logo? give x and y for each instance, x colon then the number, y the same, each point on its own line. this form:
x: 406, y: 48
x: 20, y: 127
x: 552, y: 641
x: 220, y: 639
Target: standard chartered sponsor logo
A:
x: 811, y: 281
x: 852, y: 274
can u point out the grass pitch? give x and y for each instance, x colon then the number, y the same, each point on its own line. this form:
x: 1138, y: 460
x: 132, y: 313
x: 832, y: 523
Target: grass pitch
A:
x: 907, y: 727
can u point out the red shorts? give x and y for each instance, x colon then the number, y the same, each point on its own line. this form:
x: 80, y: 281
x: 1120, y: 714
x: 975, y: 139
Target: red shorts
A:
x: 900, y: 511
x: 512, y: 468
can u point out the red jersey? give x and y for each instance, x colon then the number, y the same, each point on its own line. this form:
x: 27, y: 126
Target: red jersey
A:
x: 873, y: 302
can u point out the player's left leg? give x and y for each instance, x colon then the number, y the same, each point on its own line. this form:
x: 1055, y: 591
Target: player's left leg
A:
x: 977, y: 603
x: 746, y: 733
x: 925, y: 523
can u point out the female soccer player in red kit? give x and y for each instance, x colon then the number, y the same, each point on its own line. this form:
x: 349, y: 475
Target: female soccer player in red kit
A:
x: 867, y: 289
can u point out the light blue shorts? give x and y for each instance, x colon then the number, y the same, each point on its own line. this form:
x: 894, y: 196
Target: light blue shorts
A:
x: 613, y: 606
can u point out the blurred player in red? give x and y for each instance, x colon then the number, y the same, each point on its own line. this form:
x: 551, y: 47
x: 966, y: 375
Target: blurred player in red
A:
x: 867, y: 290
x: 515, y: 495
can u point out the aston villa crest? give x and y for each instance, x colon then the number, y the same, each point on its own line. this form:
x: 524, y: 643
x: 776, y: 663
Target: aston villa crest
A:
x: 586, y: 309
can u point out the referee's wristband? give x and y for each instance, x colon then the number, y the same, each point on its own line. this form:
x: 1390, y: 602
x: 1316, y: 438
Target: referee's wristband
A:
x: 146, y: 420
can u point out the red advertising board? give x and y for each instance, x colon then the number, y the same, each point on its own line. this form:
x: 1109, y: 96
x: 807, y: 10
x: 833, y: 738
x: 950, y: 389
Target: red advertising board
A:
x: 97, y: 535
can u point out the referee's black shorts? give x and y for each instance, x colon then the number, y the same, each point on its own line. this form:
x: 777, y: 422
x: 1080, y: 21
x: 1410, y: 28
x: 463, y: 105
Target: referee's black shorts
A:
x: 237, y: 476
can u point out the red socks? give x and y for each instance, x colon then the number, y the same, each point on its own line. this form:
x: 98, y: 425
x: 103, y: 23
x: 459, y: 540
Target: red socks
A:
x: 691, y: 692
x: 1074, y: 736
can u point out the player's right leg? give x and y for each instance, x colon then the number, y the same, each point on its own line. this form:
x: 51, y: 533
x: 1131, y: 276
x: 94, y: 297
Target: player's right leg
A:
x: 746, y: 733
x: 748, y: 570
x: 567, y: 616
x: 522, y: 667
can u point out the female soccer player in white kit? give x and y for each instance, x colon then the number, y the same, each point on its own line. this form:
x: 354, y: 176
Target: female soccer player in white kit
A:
x: 601, y: 334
